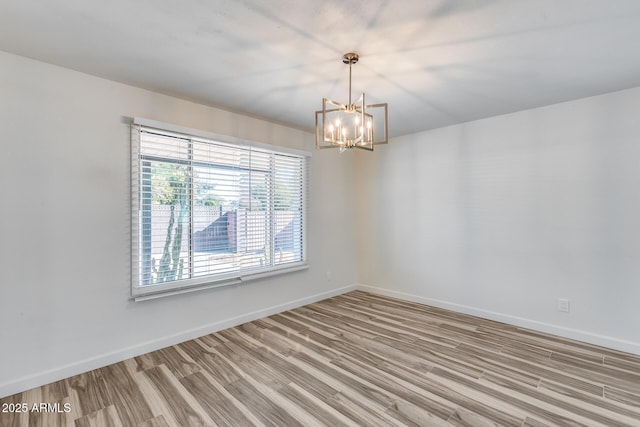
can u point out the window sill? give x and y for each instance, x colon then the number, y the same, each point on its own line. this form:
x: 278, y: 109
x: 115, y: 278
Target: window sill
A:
x: 148, y: 293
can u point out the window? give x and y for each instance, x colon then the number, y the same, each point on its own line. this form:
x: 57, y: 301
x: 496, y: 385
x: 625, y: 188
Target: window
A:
x: 211, y: 211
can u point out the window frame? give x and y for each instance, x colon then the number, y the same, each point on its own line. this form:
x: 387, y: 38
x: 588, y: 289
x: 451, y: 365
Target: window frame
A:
x: 140, y: 291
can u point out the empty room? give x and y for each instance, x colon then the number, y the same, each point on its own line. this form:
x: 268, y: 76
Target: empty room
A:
x: 320, y: 213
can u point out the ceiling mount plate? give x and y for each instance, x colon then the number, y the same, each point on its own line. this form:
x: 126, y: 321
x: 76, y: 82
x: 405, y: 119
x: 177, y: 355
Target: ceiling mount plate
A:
x: 350, y: 58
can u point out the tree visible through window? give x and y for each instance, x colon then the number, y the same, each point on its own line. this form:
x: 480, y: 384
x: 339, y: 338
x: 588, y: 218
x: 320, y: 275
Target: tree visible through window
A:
x: 209, y: 210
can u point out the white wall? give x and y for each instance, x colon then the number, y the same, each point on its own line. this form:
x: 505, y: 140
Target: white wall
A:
x: 501, y: 217
x: 65, y: 226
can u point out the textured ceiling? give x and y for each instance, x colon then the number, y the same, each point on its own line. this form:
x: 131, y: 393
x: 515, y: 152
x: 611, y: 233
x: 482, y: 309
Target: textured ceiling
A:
x: 436, y: 63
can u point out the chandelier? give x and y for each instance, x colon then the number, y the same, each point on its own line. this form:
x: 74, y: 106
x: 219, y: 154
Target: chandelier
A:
x: 351, y: 125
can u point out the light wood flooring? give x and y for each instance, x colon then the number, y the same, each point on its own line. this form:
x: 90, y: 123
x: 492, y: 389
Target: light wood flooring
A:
x: 354, y: 360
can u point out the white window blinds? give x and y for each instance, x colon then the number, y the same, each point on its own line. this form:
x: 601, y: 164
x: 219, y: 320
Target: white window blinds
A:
x: 209, y: 213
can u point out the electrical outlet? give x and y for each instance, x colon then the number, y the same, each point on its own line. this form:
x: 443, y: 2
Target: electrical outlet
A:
x: 563, y: 305
x: 328, y: 275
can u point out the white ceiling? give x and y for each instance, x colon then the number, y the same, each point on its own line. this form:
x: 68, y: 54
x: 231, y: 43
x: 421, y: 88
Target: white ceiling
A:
x: 436, y: 62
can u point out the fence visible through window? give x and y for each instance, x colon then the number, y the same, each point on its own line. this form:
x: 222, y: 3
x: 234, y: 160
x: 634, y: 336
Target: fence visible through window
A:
x: 220, y: 241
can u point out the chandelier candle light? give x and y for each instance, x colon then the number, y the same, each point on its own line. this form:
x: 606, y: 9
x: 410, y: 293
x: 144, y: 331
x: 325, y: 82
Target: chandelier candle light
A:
x: 352, y: 125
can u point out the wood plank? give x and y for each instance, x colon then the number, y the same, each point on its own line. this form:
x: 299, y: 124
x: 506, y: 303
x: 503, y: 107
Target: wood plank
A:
x: 261, y: 406
x: 532, y: 422
x: 508, y: 393
x: 158, y: 421
x: 303, y: 340
x: 218, y: 405
x: 462, y: 417
x: 538, y: 396
x: 541, y: 368
x: 265, y: 338
x: 55, y: 391
x: 353, y: 382
x: 418, y: 330
x: 396, y: 390
x: 107, y: 417
x: 213, y: 363
x: 412, y: 415
x: 561, y: 344
x: 381, y: 353
x: 125, y: 393
x: 88, y: 392
x: 596, y: 402
x: 175, y: 399
x: 212, y: 340
x: 624, y: 363
x: 364, y: 327
x: 249, y: 365
x: 323, y: 413
x: 170, y: 357
x: 485, y: 360
x: 622, y: 396
x: 520, y: 350
x: 434, y: 356
x: 351, y: 360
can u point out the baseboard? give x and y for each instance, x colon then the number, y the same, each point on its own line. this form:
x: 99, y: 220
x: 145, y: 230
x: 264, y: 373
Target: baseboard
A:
x: 46, y: 377
x: 575, y: 334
